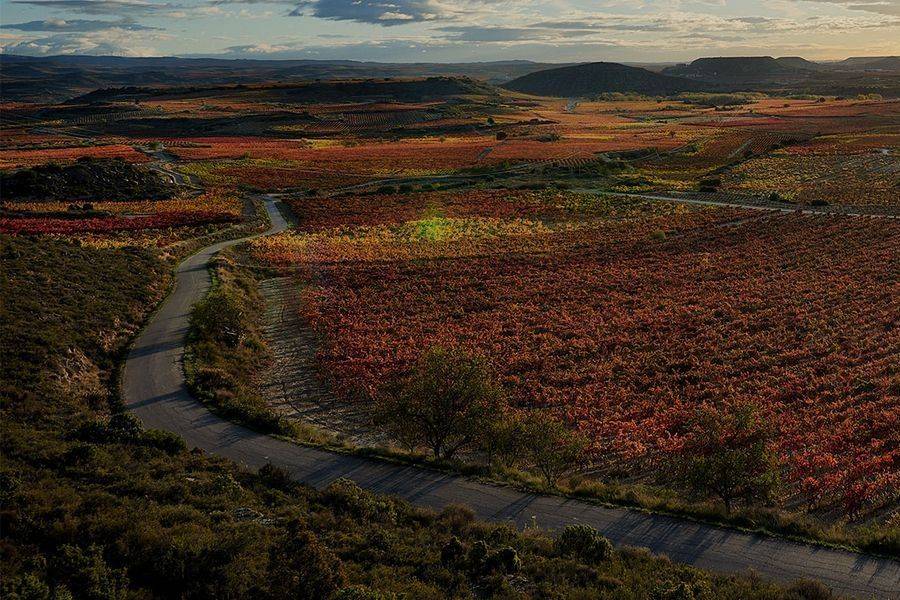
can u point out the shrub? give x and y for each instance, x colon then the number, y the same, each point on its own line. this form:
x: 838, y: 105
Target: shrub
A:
x: 452, y: 552
x: 276, y: 477
x: 87, y: 574
x: 585, y: 543
x: 455, y: 517
x: 301, y: 567
x: 122, y: 427
x: 534, y: 440
x: 219, y: 317
x: 504, y: 560
x: 349, y: 498
x: 166, y: 441
x: 477, y: 554
x: 359, y: 592
x: 809, y: 590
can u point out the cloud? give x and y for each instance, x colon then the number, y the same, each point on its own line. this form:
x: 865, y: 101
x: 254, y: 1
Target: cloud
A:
x: 103, y: 7
x: 77, y: 25
x: 477, y: 33
x: 612, y: 23
x: 882, y: 7
x: 111, y: 42
x: 379, y: 12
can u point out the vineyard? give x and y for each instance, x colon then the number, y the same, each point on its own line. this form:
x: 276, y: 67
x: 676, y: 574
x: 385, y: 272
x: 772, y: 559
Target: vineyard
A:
x: 623, y: 328
x: 859, y: 179
x: 150, y: 223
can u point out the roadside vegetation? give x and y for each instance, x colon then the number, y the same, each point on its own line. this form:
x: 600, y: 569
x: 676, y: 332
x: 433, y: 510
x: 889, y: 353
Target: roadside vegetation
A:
x: 96, y: 507
x: 225, y: 352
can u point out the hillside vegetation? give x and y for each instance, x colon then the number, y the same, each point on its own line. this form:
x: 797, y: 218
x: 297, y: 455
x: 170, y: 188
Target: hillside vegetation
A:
x: 96, y: 507
x: 86, y: 179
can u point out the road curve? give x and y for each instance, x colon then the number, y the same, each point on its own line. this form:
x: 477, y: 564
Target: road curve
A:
x: 153, y: 388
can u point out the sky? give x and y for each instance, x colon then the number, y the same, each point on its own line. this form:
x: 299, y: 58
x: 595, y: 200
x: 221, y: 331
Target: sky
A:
x: 453, y: 30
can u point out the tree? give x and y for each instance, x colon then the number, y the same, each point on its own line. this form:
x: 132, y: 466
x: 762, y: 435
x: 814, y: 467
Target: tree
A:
x: 550, y: 446
x: 535, y: 440
x: 727, y: 454
x: 447, y: 403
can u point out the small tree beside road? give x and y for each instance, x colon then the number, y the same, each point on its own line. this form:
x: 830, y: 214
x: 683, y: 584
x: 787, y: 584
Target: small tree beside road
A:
x: 727, y: 454
x: 447, y: 403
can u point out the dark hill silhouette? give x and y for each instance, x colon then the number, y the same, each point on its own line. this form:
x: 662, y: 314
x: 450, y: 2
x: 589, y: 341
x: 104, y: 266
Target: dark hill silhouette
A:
x: 798, y: 62
x: 399, y: 90
x: 870, y: 63
x: 600, y: 77
x: 735, y: 68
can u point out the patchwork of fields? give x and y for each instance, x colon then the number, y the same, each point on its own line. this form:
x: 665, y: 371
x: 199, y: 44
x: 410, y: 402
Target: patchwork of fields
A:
x: 456, y: 222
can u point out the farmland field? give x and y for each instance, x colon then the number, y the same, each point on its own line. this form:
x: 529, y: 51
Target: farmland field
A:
x: 625, y: 322
x: 613, y: 270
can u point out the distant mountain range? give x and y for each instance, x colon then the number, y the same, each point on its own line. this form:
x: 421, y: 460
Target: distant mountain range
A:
x: 755, y: 68
x: 58, y: 78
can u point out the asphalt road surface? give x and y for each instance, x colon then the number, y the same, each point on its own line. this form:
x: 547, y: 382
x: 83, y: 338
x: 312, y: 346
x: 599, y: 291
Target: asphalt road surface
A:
x: 154, y: 390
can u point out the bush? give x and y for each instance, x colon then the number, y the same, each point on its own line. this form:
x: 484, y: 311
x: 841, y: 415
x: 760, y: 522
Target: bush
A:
x: 121, y: 427
x: 477, y: 554
x: 219, y: 317
x: 505, y: 560
x: 303, y: 568
x: 276, y: 477
x: 124, y: 427
x: 452, y: 552
x: 809, y: 590
x: 538, y: 441
x: 585, y: 543
x: 166, y: 441
x: 350, y: 499
x: 359, y: 592
x: 87, y: 574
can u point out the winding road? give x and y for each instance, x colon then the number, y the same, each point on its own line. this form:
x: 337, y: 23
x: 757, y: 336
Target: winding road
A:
x: 154, y: 389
